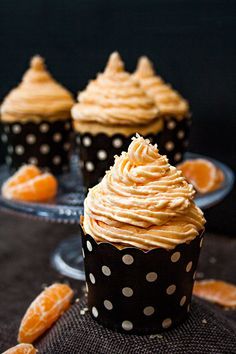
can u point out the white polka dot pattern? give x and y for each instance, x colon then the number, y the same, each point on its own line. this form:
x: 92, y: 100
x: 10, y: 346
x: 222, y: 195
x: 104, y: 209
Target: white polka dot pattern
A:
x: 92, y: 278
x: 131, y: 290
x: 16, y: 128
x: 57, y: 137
x: 106, y: 271
x: 10, y: 149
x: 44, y: 149
x: 102, y: 155
x: 95, y: 312
x: 108, y: 305
x: 127, y: 259
x: 151, y: 277
x: 128, y: 292
x: 89, y: 166
x: 169, y: 146
x: 19, y: 149
x: 4, y: 138
x: 30, y: 139
x: 33, y: 160
x: 56, y: 160
x: 44, y: 128
x: 117, y: 143
x: 89, y: 246
x: 167, y: 323
x: 171, y: 289
x: 177, y: 156
x: 127, y: 325
x: 175, y: 257
x: 180, y: 134
x: 149, y: 310
x: 171, y: 124
x: 183, y: 300
x: 86, y: 141
x: 189, y: 266
x: 45, y: 144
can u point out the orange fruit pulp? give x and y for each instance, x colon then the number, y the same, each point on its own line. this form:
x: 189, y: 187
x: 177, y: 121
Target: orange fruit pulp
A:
x: 203, y: 174
x: 216, y: 291
x: 31, y: 185
x: 44, y: 311
x: 23, y: 348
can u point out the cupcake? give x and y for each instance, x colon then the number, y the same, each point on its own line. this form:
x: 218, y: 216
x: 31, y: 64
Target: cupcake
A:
x: 173, y: 108
x: 37, y: 122
x: 111, y: 109
x: 141, y: 237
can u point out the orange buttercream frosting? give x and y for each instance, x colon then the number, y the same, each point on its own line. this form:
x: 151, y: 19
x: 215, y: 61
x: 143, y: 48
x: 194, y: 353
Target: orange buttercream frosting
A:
x: 114, y: 98
x: 38, y: 95
x: 142, y: 201
x: 167, y: 99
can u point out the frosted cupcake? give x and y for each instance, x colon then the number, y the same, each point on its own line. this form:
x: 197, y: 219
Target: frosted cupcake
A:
x: 141, y: 243
x: 109, y: 111
x: 173, y: 108
x: 37, y: 121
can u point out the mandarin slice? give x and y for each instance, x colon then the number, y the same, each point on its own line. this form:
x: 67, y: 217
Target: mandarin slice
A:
x: 216, y: 291
x: 203, y: 174
x: 31, y: 185
x: 23, y: 348
x: 44, y: 311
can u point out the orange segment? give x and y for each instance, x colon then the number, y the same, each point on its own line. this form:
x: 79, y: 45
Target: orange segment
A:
x: 44, y: 311
x: 216, y: 291
x: 24, y: 174
x: 203, y: 174
x: 31, y: 185
x: 21, y: 349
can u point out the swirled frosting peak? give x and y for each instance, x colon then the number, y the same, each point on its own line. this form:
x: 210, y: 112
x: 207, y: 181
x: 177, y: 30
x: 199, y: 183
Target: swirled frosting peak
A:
x: 142, y: 201
x: 114, y: 98
x: 37, y: 95
x: 167, y: 99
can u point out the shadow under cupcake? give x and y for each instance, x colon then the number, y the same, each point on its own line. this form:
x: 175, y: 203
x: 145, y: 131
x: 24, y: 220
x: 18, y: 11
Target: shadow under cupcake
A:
x: 142, y: 235
x: 111, y: 109
x: 36, y: 121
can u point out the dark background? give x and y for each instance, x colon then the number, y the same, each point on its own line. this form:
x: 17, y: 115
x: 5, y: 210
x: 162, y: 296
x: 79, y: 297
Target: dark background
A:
x: 192, y: 44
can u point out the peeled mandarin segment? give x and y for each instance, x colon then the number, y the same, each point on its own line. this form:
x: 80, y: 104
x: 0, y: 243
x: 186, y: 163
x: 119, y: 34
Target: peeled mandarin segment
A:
x: 44, y: 311
x: 21, y: 349
x: 202, y: 173
x: 216, y: 291
x: 39, y: 188
x: 24, y: 174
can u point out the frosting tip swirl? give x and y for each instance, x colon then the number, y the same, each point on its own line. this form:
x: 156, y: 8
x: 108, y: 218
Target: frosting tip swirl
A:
x: 37, y: 63
x: 114, y: 64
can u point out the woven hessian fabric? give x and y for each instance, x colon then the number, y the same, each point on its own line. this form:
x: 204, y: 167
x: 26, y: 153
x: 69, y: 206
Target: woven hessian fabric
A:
x: 203, y: 332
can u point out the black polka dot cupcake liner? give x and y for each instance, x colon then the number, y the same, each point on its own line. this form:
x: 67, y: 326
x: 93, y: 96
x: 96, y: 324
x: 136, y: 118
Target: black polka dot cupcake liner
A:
x: 45, y: 144
x: 2, y: 146
x: 96, y: 153
x: 174, y: 138
x: 139, y: 292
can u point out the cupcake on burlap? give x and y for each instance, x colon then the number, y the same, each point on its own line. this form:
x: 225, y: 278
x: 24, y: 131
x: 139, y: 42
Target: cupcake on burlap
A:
x: 142, y: 235
x: 36, y: 121
x: 174, y: 110
x: 109, y: 111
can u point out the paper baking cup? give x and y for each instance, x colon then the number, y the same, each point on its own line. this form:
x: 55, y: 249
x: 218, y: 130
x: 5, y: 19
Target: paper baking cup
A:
x: 96, y: 153
x: 2, y: 146
x: 139, y: 292
x: 174, y: 138
x: 45, y: 144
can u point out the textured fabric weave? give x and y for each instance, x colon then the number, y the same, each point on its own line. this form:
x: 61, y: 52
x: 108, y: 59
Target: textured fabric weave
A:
x: 76, y: 332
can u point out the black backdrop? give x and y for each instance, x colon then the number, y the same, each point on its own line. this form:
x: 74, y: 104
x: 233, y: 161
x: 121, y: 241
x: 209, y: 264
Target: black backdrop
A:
x: 191, y: 42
